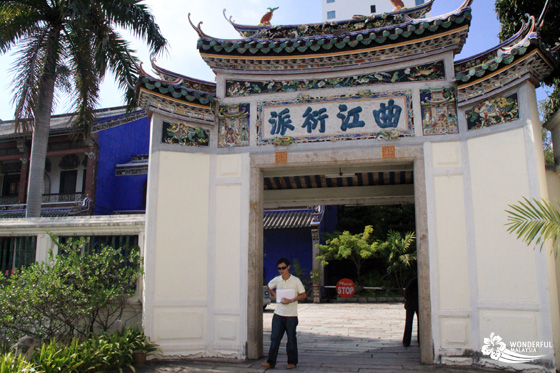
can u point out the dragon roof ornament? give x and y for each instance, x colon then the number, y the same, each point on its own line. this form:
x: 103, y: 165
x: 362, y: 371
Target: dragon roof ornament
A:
x: 197, y: 28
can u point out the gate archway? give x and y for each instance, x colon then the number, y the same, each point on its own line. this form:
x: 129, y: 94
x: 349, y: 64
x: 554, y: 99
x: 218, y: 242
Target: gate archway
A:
x: 324, y: 163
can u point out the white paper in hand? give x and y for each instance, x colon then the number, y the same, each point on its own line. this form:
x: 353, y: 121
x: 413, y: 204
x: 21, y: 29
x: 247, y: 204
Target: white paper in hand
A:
x: 285, y: 293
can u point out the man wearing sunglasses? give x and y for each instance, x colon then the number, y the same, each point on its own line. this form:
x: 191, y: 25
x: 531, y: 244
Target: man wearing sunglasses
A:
x: 288, y: 290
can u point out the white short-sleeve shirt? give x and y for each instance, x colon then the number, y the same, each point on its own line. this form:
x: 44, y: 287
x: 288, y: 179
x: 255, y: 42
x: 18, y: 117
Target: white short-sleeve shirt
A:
x: 288, y: 310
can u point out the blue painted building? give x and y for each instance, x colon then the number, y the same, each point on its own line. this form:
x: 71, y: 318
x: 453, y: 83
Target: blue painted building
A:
x: 122, y: 168
x: 293, y: 234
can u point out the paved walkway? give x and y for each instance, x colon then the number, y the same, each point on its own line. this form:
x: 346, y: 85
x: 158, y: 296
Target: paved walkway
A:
x: 346, y: 337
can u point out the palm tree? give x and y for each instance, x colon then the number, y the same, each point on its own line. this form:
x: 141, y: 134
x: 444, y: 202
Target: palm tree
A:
x: 535, y: 221
x: 401, y: 254
x: 68, y: 45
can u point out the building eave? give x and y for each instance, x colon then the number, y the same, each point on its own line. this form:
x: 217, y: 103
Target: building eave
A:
x: 62, y: 123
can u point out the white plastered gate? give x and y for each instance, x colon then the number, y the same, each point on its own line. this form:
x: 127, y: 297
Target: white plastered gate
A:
x: 204, y: 230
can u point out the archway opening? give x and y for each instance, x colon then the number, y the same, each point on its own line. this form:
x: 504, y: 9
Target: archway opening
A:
x: 301, y: 206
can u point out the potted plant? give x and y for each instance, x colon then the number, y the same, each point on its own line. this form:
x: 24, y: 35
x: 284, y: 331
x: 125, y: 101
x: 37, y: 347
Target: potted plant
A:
x: 316, y: 280
x: 141, y: 346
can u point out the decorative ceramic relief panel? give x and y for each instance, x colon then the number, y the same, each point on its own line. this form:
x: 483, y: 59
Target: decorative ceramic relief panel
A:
x: 367, y: 115
x: 233, y: 125
x: 183, y: 134
x: 439, y: 111
x: 494, y: 111
x: 427, y: 72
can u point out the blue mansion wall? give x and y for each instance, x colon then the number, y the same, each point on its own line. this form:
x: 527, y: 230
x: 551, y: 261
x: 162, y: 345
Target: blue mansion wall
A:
x: 288, y: 243
x: 116, y: 146
x: 294, y: 244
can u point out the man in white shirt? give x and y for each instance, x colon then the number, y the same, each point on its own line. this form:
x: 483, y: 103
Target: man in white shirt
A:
x: 291, y: 290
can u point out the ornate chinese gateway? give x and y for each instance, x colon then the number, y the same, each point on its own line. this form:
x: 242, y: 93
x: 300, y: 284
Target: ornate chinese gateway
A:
x: 373, y: 110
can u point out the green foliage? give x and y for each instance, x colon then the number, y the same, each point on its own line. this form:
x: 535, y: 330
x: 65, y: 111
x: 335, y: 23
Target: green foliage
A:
x: 382, y: 218
x: 140, y: 342
x: 535, y: 221
x: 108, y: 352
x: 547, y: 147
x: 11, y: 364
x: 400, y: 254
x: 315, y: 276
x: 73, y: 294
x: 552, y: 104
x: 101, y: 353
x: 55, y: 357
x: 355, y: 247
x: 300, y: 272
x: 511, y: 13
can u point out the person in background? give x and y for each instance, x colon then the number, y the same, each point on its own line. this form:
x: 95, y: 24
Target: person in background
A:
x: 285, y: 319
x: 411, y: 306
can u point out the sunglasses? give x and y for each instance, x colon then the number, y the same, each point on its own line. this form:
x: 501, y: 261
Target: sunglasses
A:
x: 282, y: 268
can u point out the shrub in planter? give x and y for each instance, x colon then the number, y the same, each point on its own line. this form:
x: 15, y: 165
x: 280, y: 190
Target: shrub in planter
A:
x: 73, y: 294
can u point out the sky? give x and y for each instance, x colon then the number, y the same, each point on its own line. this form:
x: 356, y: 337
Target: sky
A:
x: 182, y: 56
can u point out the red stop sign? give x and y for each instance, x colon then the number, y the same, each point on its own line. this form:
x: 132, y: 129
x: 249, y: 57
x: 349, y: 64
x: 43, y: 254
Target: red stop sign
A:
x: 345, y: 288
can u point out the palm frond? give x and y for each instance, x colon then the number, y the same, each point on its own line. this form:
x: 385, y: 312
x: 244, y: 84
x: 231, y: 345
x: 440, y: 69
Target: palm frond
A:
x: 86, y: 79
x: 27, y: 69
x: 16, y: 19
x: 535, y: 221
x: 113, y: 52
x: 134, y: 16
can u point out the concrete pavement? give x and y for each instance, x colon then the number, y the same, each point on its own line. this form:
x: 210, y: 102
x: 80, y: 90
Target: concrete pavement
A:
x: 332, y: 337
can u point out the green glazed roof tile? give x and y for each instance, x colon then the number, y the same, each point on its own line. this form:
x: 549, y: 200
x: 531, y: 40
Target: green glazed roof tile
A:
x: 177, y: 91
x: 281, y: 40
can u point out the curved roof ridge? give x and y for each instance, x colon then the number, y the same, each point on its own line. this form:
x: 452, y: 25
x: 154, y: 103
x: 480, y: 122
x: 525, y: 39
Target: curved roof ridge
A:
x: 466, y: 4
x: 523, y: 52
x: 162, y: 71
x: 509, y: 41
x: 198, y: 29
x: 175, y: 85
x: 145, y: 73
x: 531, y: 33
x: 252, y: 31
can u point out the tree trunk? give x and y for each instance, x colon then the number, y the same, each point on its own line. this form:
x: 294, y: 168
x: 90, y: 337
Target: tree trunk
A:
x: 41, y: 130
x: 38, y: 157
